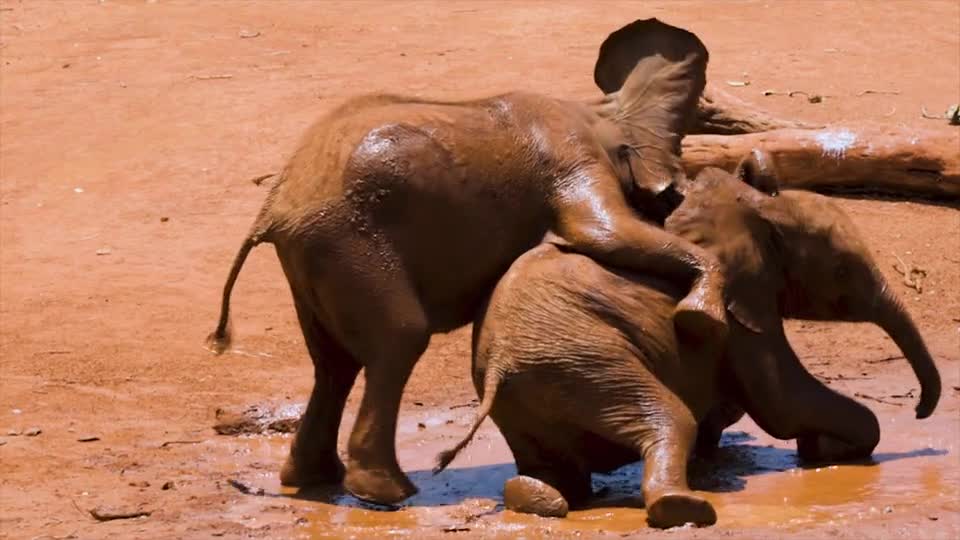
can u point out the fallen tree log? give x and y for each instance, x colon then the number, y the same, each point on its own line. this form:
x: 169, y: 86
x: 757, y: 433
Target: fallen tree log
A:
x: 719, y: 113
x: 904, y: 162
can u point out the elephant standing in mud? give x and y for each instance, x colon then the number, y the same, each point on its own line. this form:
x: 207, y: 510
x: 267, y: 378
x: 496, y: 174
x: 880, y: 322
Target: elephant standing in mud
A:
x: 396, y: 217
x: 581, y: 369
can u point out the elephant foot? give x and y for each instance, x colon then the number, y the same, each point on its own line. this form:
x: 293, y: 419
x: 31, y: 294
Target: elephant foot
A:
x: 528, y: 495
x: 676, y: 509
x: 304, y: 473
x: 822, y: 448
x: 699, y: 317
x: 378, y: 486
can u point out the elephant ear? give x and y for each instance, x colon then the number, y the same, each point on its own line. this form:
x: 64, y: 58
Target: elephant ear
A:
x: 655, y: 73
x: 757, y: 170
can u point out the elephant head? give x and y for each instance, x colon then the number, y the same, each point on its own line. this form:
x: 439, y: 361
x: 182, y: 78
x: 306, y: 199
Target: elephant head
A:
x: 652, y: 75
x: 794, y: 255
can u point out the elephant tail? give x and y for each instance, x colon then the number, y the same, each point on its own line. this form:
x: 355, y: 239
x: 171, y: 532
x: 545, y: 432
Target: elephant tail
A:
x: 491, y: 383
x: 219, y: 340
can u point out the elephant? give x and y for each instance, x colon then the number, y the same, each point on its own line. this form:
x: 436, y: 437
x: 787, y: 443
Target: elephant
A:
x: 579, y: 367
x: 395, y: 217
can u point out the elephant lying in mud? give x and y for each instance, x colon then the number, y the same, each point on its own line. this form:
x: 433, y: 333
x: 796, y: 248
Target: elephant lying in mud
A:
x: 396, y: 217
x: 581, y: 369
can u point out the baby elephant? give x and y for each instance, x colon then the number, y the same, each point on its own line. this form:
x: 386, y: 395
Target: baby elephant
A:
x: 583, y: 370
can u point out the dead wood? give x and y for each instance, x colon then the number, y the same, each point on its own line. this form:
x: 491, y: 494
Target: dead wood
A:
x: 903, y: 161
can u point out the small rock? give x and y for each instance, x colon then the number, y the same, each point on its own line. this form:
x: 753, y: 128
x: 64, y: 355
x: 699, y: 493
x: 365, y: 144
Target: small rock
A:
x: 142, y: 484
x: 887, y: 509
x: 88, y: 438
x: 104, y: 251
x: 33, y: 432
x: 105, y: 513
x: 421, y: 426
x: 933, y: 518
x: 65, y: 66
x: 168, y: 485
x: 164, y: 219
x: 78, y: 190
x: 2, y: 442
x: 16, y: 411
x: 247, y: 34
x: 14, y: 433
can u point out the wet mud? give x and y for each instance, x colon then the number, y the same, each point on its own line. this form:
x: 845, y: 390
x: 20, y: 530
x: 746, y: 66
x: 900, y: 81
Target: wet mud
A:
x: 754, y: 482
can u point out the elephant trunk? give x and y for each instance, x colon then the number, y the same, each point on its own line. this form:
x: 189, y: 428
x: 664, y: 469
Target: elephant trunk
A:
x: 898, y: 324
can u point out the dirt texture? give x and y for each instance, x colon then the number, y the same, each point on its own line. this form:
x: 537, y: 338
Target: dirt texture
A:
x: 129, y: 132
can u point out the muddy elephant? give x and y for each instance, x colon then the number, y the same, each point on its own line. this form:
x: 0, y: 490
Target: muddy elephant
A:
x: 395, y: 217
x: 582, y: 371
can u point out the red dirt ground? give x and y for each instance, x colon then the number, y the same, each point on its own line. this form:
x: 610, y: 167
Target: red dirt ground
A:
x: 128, y: 133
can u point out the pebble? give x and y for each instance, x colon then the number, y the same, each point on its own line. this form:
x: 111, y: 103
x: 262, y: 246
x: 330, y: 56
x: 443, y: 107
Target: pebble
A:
x: 33, y: 432
x: 88, y: 438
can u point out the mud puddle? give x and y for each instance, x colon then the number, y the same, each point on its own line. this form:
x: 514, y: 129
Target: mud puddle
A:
x: 754, y: 482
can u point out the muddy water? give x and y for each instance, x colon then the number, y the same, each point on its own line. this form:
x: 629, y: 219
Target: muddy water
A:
x: 755, y: 481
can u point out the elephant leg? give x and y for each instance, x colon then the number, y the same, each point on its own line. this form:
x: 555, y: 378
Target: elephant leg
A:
x: 661, y: 429
x: 377, y: 319
x: 710, y: 429
x: 787, y: 402
x: 313, y: 456
x: 824, y: 448
x: 531, y: 495
x: 597, y: 221
x: 550, y: 480
x: 668, y: 498
x: 396, y: 333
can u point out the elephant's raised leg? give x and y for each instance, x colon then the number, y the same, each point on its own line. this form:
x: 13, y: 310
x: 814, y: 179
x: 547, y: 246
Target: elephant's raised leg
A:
x: 596, y: 220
